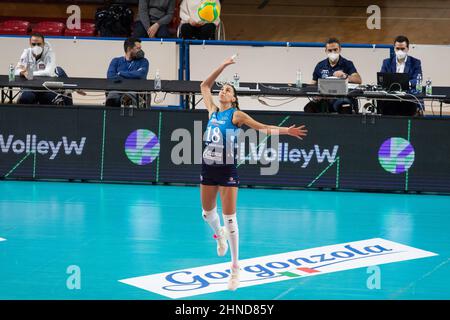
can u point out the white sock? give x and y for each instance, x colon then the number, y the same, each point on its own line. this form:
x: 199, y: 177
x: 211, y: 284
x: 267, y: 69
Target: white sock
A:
x: 213, y: 219
x: 230, y: 222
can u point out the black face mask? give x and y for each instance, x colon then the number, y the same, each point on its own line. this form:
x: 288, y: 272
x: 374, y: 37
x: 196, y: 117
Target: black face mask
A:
x: 139, y: 55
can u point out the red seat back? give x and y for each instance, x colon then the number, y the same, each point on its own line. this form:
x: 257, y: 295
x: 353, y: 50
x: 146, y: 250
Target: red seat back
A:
x: 49, y: 28
x: 86, y: 30
x: 16, y: 24
x: 18, y: 27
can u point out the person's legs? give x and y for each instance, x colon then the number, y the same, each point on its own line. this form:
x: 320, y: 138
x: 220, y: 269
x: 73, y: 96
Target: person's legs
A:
x: 139, y: 30
x: 134, y: 99
x: 208, y: 195
x: 311, y: 107
x: 187, y: 31
x: 318, y: 105
x: 46, y: 98
x: 207, y: 32
x: 27, y: 97
x: 113, y: 99
x: 342, y: 106
x: 409, y: 108
x: 163, y: 32
x: 228, y: 197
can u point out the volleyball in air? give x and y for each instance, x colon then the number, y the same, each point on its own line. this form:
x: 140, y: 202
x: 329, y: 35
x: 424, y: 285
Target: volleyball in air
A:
x: 209, y: 11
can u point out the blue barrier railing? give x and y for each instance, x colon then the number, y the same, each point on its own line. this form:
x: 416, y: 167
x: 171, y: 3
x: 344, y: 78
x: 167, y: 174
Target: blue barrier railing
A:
x: 281, y: 44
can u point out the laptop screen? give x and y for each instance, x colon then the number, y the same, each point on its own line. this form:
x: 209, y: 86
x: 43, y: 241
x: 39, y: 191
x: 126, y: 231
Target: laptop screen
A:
x: 393, y: 81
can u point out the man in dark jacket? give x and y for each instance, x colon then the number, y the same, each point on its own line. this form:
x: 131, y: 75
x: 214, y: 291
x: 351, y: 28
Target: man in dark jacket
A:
x: 132, y: 65
x: 402, y: 63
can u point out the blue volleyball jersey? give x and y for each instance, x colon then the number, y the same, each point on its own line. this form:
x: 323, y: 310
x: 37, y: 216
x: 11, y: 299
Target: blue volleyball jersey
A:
x: 220, y: 139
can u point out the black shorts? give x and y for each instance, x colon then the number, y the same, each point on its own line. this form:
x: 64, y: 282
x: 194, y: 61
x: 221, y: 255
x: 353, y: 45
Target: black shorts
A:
x: 225, y: 176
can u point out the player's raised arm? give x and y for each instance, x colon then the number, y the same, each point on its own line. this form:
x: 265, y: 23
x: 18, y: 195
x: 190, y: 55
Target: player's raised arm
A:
x: 207, y: 84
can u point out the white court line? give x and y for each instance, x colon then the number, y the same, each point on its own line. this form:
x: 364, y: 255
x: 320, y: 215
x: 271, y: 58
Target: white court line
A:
x: 2, y: 239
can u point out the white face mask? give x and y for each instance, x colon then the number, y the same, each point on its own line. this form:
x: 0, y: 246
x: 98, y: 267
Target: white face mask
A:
x: 333, y: 56
x: 400, y: 54
x: 37, y: 50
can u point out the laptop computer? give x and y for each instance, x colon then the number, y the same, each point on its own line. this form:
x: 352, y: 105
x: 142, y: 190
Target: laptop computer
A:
x: 393, y: 81
x: 333, y: 86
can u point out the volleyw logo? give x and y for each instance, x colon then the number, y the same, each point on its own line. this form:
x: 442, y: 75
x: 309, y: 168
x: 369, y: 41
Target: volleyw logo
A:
x: 279, y: 267
x: 396, y: 155
x: 142, y: 147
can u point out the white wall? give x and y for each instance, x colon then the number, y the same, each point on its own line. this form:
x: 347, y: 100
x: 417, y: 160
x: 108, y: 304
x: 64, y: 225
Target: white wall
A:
x: 435, y: 62
x: 91, y: 58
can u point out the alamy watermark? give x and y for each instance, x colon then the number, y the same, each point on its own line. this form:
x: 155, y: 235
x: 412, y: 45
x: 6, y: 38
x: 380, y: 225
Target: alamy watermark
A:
x: 374, y: 280
x: 374, y: 20
x: 243, y: 147
x: 74, y: 20
x: 73, y: 281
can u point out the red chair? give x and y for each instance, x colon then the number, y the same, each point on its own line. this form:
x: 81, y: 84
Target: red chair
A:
x: 18, y: 27
x: 175, y: 22
x: 86, y: 30
x: 49, y: 28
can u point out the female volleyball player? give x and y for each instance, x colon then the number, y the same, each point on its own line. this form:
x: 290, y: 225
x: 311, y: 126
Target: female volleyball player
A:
x: 219, y: 174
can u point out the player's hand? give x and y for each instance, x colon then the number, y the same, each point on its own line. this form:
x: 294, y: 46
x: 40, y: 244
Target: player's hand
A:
x: 228, y: 62
x: 298, y: 132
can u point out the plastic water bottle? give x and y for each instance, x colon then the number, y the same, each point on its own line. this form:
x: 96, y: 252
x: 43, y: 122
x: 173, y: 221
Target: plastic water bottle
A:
x: 236, y: 80
x: 30, y: 69
x: 11, y: 73
x: 419, y: 83
x: 157, y: 80
x: 298, y: 79
x: 428, y: 88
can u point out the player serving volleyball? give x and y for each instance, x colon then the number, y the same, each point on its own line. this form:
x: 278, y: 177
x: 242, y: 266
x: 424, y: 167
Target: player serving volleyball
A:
x: 219, y: 169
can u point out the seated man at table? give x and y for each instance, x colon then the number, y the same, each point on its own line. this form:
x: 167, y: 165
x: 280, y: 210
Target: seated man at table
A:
x: 40, y: 58
x: 402, y: 63
x: 132, y: 65
x: 334, y: 66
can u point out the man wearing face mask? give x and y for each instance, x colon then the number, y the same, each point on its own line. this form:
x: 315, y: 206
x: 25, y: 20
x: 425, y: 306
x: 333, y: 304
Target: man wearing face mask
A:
x: 133, y: 65
x: 40, y: 59
x: 402, y: 63
x: 334, y: 66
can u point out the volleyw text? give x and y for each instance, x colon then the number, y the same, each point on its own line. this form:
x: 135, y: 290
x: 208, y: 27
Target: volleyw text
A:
x: 279, y: 267
x: 31, y: 144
